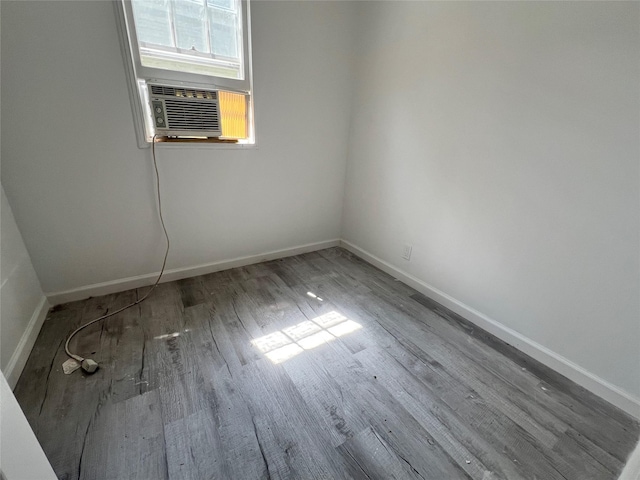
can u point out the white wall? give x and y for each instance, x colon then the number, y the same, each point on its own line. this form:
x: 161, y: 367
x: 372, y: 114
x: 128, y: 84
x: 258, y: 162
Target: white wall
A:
x: 500, y: 139
x: 22, y: 456
x: 83, y: 193
x: 631, y: 470
x: 22, y: 303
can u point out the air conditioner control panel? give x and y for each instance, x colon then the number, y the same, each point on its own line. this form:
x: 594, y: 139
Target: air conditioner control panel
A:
x: 158, y: 114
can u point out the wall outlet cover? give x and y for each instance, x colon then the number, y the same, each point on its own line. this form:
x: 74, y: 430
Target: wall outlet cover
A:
x: 406, y: 252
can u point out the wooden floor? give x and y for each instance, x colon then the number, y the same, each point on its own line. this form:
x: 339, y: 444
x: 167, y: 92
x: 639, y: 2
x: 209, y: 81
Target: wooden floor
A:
x: 315, y: 366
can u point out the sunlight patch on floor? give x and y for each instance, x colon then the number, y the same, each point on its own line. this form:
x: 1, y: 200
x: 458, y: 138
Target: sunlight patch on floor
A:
x: 291, y: 341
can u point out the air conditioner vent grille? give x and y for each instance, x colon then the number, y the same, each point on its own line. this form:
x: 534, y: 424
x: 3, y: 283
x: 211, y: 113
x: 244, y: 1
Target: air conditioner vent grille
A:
x: 192, y: 115
x: 184, y: 92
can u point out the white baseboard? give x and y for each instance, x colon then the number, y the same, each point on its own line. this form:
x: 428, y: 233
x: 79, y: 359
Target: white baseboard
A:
x: 632, y: 468
x: 123, y: 284
x: 23, y: 349
x: 551, y: 359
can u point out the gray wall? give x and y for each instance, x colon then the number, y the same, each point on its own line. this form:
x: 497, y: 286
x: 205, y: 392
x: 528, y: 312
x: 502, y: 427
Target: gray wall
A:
x: 501, y: 141
x: 83, y: 193
x: 22, y: 303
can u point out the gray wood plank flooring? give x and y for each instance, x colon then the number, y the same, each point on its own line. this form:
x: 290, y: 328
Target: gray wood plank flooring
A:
x: 313, y: 366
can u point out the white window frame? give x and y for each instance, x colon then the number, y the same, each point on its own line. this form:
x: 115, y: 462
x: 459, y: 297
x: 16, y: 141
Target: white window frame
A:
x: 137, y: 74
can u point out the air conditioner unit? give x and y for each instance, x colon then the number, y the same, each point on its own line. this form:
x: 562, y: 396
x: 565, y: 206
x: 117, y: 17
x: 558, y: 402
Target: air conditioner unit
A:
x: 185, y: 111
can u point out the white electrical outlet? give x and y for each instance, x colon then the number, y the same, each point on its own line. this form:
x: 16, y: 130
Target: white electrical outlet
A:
x: 406, y: 252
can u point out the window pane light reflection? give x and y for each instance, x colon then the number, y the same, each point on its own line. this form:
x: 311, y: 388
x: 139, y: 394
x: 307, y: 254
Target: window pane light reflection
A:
x: 291, y: 341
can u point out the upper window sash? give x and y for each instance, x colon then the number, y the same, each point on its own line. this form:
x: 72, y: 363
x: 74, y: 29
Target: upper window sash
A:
x: 206, y: 69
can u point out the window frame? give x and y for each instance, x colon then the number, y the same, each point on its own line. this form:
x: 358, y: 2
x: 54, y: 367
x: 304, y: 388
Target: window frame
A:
x: 136, y: 72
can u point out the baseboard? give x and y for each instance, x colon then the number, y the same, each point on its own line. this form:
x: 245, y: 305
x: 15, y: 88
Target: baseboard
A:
x: 551, y: 359
x: 632, y: 468
x: 23, y: 349
x: 123, y: 284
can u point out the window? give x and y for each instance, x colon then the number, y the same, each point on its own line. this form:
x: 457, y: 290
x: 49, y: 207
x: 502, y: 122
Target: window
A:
x: 199, y: 46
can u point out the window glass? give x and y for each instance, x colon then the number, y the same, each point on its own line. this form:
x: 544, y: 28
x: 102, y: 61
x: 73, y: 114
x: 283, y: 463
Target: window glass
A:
x: 224, y: 39
x: 190, y: 25
x: 228, y: 4
x: 153, y: 24
x: 193, y: 36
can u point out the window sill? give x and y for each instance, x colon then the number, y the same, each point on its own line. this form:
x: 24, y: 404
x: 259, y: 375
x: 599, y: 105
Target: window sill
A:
x: 201, y: 144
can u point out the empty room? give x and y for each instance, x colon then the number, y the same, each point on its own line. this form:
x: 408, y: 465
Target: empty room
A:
x: 256, y: 239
